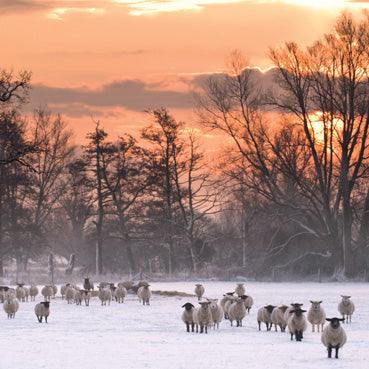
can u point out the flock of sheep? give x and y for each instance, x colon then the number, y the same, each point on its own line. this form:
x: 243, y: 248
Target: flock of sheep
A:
x: 234, y: 306
x: 11, y: 297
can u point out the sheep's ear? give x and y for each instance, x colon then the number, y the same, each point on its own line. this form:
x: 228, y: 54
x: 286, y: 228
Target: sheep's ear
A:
x: 328, y: 319
x: 320, y: 302
x: 311, y: 301
x: 342, y: 319
x: 292, y: 311
x: 304, y: 311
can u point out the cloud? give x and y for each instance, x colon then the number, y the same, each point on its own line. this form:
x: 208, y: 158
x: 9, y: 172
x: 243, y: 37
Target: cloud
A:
x: 175, y: 92
x: 53, y: 9
x: 133, y: 95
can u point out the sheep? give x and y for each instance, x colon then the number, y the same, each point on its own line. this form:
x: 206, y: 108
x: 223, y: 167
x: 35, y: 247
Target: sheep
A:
x: 105, y: 294
x: 297, y: 323
x: 11, y: 306
x: 3, y: 290
x: 47, y: 291
x: 237, y: 312
x: 216, y: 312
x: 70, y: 294
x: 264, y: 316
x: 78, y: 297
x: 248, y: 301
x: 86, y: 296
x: 240, y: 289
x: 126, y: 284
x: 20, y: 293
x: 42, y: 309
x: 88, y: 285
x: 316, y: 315
x: 294, y: 305
x: 334, y: 336
x: 187, y: 316
x: 199, y: 291
x: 277, y: 317
x: 144, y: 294
x: 346, y: 308
x: 120, y: 293
x: 226, y: 297
x: 33, y: 291
x: 227, y: 305
x: 10, y: 293
x: 63, y: 289
x: 202, y: 316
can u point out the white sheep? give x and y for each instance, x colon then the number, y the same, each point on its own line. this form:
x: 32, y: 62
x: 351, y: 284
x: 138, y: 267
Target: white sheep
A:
x: 126, y: 284
x: 144, y: 294
x: 277, y: 317
x: 346, y: 308
x: 237, y: 312
x: 20, y: 293
x: 202, y: 316
x: 316, y: 315
x: 120, y: 293
x: 42, y: 309
x: 187, y: 316
x: 297, y: 323
x: 105, y: 294
x: 227, y: 297
x: 334, y: 336
x: 70, y: 294
x: 55, y: 290
x: 217, y: 313
x: 11, y: 306
x: 264, y: 316
x: 240, y: 289
x: 86, y: 296
x: 47, y: 291
x: 33, y: 292
x: 63, y: 289
x: 199, y: 291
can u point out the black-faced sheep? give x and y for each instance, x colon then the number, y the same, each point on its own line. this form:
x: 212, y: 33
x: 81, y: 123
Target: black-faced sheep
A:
x: 264, y: 316
x: 187, y: 316
x: 334, y: 336
x: 42, y: 309
x: 297, y: 323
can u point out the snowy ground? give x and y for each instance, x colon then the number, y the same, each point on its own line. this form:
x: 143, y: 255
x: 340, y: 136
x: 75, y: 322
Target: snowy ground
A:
x: 134, y: 336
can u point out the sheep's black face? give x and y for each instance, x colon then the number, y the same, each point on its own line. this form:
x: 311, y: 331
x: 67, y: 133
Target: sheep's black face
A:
x: 46, y: 303
x: 188, y: 306
x: 335, y: 322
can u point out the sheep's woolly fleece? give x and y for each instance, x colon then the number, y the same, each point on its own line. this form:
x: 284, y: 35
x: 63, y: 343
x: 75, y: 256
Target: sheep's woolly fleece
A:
x: 134, y: 336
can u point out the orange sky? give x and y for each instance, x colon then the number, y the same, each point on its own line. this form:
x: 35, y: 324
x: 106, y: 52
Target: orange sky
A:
x: 111, y: 59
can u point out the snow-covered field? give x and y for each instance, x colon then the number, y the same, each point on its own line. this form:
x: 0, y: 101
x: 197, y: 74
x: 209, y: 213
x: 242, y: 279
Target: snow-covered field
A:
x: 131, y: 335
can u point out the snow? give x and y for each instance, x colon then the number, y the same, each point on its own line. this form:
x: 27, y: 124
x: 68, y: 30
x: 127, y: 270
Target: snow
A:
x: 131, y: 335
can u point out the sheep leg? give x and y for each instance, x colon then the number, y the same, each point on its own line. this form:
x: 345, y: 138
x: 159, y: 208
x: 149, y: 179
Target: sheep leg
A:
x: 188, y: 327
x: 201, y: 328
x: 259, y: 326
x: 192, y: 327
x: 336, y: 356
x: 329, y: 351
x: 45, y: 319
x: 291, y: 336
